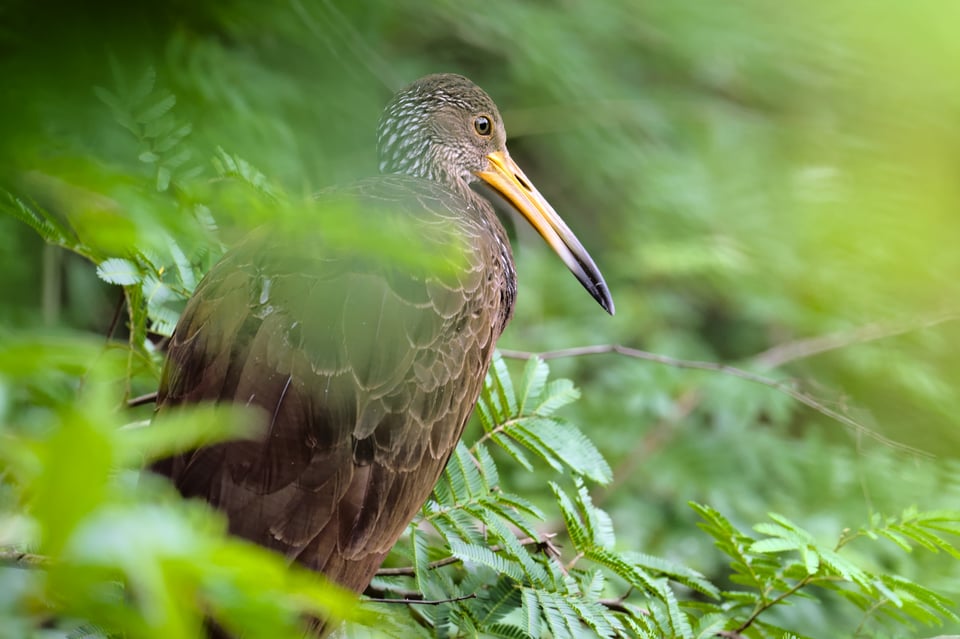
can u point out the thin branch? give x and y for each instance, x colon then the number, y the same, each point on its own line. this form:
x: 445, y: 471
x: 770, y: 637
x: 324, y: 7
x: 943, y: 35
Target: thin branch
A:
x: 570, y: 564
x: 767, y: 605
x: 787, y: 388
x: 496, y: 431
x: 781, y: 354
x: 148, y: 398
x: 411, y: 597
x: 410, y: 571
x: 23, y: 559
x: 617, y: 605
x: 117, y: 311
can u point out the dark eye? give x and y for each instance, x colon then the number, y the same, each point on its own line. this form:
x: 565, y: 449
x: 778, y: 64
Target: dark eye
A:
x: 482, y: 125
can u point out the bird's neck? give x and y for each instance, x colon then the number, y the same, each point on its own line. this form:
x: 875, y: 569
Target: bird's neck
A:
x: 502, y: 260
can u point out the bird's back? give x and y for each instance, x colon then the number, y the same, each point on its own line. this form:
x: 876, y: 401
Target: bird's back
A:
x: 364, y: 361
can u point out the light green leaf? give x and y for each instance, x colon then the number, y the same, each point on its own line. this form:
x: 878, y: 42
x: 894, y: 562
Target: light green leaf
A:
x: 119, y: 271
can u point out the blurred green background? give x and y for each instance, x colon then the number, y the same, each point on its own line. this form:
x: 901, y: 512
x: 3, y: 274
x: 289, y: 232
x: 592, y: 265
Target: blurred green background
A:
x: 766, y: 184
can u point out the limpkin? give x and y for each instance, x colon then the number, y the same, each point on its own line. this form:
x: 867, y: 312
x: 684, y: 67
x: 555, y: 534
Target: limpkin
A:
x: 366, y: 367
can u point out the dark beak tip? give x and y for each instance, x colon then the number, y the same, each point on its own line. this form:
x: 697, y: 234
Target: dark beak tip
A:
x: 598, y: 290
x: 606, y: 301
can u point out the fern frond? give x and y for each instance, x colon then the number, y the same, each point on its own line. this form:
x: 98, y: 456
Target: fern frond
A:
x: 629, y: 572
x: 532, y: 383
x: 596, y: 617
x: 45, y: 224
x: 497, y: 602
x: 502, y: 398
x: 557, y: 394
x: 679, y: 573
x: 573, y: 449
x: 597, y: 522
x: 484, y: 556
x: 507, y: 631
x: 233, y: 166
x: 709, y: 625
x: 119, y: 271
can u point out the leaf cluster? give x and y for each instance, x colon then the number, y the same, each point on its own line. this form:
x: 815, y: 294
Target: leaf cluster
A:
x: 487, y: 562
x: 120, y: 554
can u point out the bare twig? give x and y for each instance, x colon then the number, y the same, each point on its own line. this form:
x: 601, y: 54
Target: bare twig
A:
x: 23, y: 559
x: 411, y: 597
x: 766, y: 605
x: 617, y: 605
x: 118, y: 309
x: 787, y: 388
x: 148, y: 398
x: 410, y: 571
x: 790, y: 351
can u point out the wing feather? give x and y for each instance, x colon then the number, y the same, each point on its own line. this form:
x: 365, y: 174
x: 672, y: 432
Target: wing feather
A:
x: 365, y: 372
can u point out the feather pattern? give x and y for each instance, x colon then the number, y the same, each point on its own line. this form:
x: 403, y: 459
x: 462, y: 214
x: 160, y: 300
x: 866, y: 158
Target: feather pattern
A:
x: 365, y: 373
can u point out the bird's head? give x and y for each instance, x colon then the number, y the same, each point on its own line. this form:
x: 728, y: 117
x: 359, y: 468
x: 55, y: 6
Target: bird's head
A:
x: 445, y: 128
x: 442, y: 127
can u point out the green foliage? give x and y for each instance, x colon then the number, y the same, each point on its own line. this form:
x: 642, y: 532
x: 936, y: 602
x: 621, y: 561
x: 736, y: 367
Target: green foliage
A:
x: 147, y: 113
x: 120, y: 552
x: 788, y: 562
x: 496, y: 575
x: 523, y: 417
x: 773, y: 189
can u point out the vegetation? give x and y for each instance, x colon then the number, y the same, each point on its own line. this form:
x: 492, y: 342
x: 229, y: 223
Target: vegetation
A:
x: 769, y: 188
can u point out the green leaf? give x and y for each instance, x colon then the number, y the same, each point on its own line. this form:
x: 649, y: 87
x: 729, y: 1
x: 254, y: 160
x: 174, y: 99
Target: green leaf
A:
x: 562, y: 620
x: 185, y: 428
x: 530, y: 612
x: 421, y: 561
x: 144, y: 85
x: 513, y: 449
x: 532, y: 383
x: 47, y: 226
x: 674, y: 571
x: 498, y: 378
x: 629, y: 572
x: 843, y: 567
x: 557, y: 394
x: 164, y: 176
x: 119, y: 271
x: 811, y: 559
x: 484, y: 556
x: 507, y: 631
x: 598, y: 524
x: 76, y: 463
x: 775, y: 545
x: 159, y: 106
x: 571, y: 518
x: 568, y: 444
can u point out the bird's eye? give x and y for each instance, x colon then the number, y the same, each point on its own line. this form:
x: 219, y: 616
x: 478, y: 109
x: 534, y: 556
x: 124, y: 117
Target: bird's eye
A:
x: 482, y: 125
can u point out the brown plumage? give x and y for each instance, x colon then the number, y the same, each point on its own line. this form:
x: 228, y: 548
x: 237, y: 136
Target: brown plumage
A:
x: 366, y: 366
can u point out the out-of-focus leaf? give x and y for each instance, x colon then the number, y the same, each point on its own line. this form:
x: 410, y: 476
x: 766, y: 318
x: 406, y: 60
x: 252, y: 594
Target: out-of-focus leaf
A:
x: 119, y: 271
x: 76, y: 462
x: 185, y: 428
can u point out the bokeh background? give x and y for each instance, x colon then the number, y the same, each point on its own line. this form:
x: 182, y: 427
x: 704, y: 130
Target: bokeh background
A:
x: 770, y: 185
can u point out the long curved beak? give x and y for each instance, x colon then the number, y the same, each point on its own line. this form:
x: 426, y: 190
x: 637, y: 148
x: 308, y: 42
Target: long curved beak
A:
x: 509, y: 181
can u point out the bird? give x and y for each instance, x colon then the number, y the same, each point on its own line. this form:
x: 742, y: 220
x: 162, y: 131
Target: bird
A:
x: 364, y: 365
